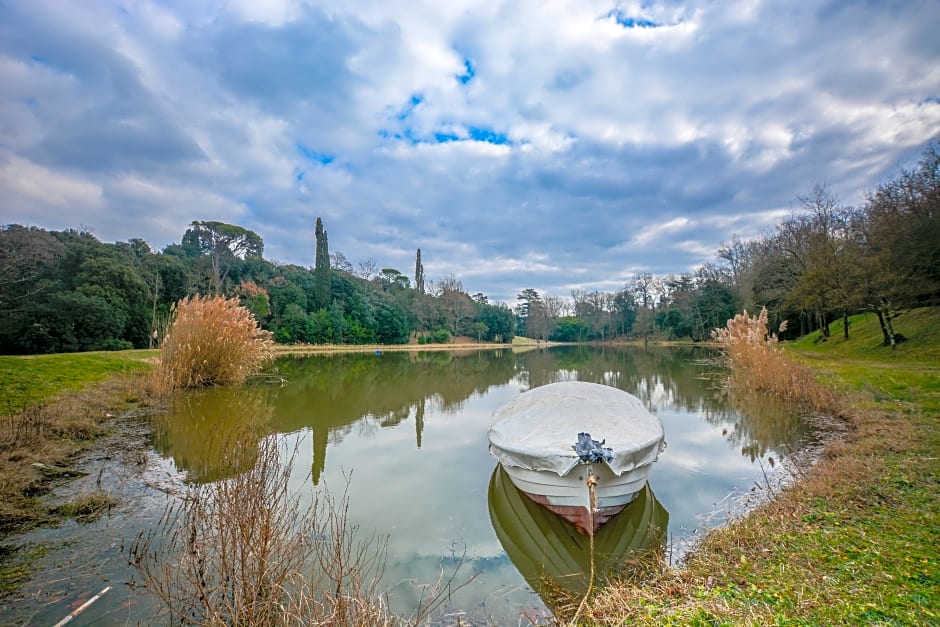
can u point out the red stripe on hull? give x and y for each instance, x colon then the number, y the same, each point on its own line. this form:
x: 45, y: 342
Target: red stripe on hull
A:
x: 578, y: 515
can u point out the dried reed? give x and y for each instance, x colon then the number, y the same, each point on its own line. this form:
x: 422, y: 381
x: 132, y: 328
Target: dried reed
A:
x: 236, y: 552
x: 211, y: 340
x: 758, y: 364
x: 243, y: 551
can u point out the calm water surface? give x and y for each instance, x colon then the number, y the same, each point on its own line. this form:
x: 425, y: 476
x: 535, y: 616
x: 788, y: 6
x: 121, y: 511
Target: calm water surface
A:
x: 408, y: 432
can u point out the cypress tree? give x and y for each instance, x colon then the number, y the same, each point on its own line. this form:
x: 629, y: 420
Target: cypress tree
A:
x: 419, y: 274
x: 321, y: 270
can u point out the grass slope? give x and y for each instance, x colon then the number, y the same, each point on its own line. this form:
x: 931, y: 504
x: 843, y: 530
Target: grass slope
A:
x: 30, y: 380
x: 854, y: 542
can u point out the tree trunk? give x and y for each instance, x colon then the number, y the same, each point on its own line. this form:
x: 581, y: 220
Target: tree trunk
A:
x: 845, y: 323
x: 822, y: 321
x: 889, y: 327
x: 887, y: 330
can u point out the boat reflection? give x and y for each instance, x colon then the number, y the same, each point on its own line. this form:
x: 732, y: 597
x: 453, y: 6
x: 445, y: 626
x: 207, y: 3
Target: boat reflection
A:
x: 555, y: 558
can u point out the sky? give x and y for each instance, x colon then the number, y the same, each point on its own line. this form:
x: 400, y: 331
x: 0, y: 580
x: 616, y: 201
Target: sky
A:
x: 522, y: 144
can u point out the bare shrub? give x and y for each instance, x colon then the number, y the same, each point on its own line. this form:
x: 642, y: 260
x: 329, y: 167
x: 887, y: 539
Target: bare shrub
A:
x: 758, y: 364
x: 242, y: 551
x: 211, y: 340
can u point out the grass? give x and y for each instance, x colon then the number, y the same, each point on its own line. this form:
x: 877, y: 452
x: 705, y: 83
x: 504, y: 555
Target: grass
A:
x: 759, y: 365
x: 245, y: 551
x: 55, y: 406
x: 87, y: 506
x: 854, y: 542
x: 30, y: 380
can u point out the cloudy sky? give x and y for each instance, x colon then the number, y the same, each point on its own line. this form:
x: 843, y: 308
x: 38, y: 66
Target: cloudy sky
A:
x: 552, y: 145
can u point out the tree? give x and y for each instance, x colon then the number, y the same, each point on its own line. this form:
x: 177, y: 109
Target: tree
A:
x: 457, y: 305
x: 222, y: 243
x: 534, y: 319
x: 367, y: 269
x: 27, y: 254
x: 338, y: 261
x: 642, y: 290
x: 419, y: 274
x: 322, y: 283
x: 624, y: 306
x: 499, y: 320
x: 390, y: 278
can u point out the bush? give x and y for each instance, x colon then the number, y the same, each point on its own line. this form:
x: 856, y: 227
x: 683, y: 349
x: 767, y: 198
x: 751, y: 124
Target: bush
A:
x: 211, y: 340
x: 441, y: 336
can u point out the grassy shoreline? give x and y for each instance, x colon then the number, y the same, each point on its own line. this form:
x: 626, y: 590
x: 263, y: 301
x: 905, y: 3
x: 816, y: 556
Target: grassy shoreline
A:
x: 852, y: 542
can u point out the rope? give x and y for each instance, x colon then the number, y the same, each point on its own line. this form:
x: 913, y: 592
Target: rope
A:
x: 591, y: 482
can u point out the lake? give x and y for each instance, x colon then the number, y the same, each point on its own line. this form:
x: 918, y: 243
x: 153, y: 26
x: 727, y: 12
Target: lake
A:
x: 405, y: 433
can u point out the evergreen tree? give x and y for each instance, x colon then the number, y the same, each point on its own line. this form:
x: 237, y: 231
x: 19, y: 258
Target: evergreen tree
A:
x: 419, y: 274
x: 322, y: 280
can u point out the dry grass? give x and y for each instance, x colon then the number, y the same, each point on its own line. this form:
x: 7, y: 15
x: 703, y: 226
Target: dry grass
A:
x: 758, y: 365
x: 243, y: 551
x: 53, y: 433
x: 735, y: 576
x: 211, y: 340
x: 88, y: 506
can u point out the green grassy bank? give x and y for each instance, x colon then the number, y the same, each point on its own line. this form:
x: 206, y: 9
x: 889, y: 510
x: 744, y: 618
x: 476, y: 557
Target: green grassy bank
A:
x: 52, y: 407
x: 855, y: 541
x: 26, y: 381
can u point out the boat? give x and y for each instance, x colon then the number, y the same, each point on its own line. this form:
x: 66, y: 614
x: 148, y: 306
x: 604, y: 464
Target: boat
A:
x: 545, y: 440
x: 556, y: 559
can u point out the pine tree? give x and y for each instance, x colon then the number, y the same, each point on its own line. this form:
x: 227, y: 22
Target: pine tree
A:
x: 321, y: 271
x: 419, y: 274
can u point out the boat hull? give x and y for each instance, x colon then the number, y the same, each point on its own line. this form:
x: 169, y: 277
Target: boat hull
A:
x: 569, y: 495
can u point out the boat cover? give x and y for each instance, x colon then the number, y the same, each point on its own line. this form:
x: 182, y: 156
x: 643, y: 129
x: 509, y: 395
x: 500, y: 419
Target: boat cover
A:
x: 539, y: 429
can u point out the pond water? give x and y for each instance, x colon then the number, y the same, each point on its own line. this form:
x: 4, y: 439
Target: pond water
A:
x: 405, y: 433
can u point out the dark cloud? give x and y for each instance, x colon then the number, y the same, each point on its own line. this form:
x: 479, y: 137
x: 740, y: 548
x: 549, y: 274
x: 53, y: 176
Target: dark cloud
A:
x: 284, y: 68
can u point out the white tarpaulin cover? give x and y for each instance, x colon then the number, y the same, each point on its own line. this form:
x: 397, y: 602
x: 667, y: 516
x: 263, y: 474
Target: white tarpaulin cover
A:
x: 538, y: 429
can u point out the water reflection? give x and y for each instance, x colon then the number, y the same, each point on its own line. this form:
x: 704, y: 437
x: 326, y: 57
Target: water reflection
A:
x: 555, y: 559
x: 330, y: 396
x: 213, y: 434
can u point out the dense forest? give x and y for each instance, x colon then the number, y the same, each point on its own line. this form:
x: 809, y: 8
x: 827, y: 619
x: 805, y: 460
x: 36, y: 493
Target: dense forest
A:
x: 63, y: 291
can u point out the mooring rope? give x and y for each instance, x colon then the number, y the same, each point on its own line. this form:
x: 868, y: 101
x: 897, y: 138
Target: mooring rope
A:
x: 591, y: 482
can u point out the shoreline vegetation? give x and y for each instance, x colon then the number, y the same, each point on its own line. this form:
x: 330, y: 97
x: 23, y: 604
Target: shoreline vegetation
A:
x: 851, y: 542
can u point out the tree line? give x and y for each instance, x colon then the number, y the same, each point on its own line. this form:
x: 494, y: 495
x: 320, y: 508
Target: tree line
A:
x: 826, y: 261
x: 63, y: 291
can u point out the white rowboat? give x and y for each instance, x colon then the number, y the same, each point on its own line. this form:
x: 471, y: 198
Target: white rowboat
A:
x: 545, y: 441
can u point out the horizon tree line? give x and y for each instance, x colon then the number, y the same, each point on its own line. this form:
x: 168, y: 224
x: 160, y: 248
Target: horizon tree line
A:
x: 63, y: 291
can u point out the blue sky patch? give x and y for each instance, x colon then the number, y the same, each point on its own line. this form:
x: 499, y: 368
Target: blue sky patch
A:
x: 410, y: 106
x: 468, y: 74
x: 487, y: 135
x: 443, y: 138
x: 313, y: 155
x: 628, y: 21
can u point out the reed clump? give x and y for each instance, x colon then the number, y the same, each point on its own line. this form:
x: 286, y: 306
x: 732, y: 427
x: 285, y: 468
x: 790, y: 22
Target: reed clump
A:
x: 759, y: 364
x: 211, y: 340
x: 245, y: 551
